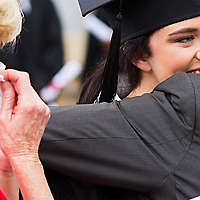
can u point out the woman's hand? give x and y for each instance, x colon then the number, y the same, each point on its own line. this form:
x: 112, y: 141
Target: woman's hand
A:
x: 23, y: 116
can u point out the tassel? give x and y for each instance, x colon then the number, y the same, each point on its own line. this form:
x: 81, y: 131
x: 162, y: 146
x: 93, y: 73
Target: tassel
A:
x: 110, y: 74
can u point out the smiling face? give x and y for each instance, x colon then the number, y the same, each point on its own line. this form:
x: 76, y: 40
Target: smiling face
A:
x: 174, y: 48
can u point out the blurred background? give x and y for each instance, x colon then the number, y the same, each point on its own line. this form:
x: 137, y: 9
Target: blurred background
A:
x: 58, y: 48
x: 75, y: 41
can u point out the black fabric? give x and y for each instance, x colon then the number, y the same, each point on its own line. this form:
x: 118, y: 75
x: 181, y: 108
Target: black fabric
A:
x: 65, y: 188
x: 111, y: 69
x: 148, y: 145
x: 39, y: 49
x: 88, y: 6
x: 142, y: 16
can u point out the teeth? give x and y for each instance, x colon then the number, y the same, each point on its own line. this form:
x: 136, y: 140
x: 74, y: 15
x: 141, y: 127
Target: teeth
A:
x: 196, y: 72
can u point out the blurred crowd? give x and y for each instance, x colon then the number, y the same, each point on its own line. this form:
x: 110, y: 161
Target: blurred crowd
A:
x: 44, y: 46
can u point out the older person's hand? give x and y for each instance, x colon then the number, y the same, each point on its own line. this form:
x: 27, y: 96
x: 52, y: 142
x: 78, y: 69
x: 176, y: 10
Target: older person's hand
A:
x: 5, y: 166
x: 23, y: 117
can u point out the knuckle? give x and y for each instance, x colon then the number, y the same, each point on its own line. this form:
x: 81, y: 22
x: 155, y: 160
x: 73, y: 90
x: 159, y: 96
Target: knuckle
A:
x: 39, y: 110
x: 10, y: 70
x: 48, y: 112
x: 30, y: 106
x: 42, y: 109
x: 25, y: 75
x: 28, y: 109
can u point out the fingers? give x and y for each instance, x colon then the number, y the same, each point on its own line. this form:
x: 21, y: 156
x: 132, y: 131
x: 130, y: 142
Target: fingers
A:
x: 26, y: 96
x: 20, y: 80
x: 8, y: 99
x: 27, y: 99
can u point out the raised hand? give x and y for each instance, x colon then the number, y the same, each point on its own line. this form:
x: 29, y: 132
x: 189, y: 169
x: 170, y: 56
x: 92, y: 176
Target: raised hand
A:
x: 23, y: 116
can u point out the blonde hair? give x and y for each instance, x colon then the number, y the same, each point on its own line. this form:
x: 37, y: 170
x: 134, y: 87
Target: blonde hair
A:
x: 10, y: 21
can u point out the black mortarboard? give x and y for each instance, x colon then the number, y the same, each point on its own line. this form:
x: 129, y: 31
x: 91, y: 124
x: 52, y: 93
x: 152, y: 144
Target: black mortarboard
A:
x: 138, y: 17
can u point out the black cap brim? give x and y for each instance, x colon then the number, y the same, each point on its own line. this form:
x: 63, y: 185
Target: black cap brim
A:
x: 88, y: 6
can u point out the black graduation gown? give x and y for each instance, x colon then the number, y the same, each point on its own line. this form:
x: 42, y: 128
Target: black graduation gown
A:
x: 147, y: 146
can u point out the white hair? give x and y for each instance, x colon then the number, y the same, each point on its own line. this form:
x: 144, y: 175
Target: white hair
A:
x: 10, y: 21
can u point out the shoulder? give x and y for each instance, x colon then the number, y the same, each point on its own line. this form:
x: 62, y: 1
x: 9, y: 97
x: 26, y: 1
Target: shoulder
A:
x: 171, y: 104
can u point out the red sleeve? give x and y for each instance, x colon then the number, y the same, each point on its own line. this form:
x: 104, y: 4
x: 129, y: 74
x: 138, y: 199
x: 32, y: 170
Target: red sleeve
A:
x: 2, y: 196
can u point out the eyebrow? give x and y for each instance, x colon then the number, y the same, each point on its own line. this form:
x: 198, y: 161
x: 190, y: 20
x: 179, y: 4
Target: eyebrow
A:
x: 184, y: 30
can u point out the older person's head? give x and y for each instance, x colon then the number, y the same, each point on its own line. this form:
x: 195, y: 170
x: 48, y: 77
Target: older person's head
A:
x: 10, y: 21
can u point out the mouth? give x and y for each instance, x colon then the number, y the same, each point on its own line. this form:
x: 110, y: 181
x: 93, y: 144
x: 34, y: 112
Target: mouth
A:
x: 194, y: 71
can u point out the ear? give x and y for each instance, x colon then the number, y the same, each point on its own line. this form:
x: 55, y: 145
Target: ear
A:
x: 142, y: 64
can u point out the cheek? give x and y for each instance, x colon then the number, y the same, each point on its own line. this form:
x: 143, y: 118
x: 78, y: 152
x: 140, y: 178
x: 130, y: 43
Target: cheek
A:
x: 170, y: 60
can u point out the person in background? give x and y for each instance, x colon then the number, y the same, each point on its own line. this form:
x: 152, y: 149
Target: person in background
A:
x: 39, y: 48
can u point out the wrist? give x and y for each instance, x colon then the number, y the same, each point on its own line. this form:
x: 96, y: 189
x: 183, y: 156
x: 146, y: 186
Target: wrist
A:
x: 25, y: 160
x: 32, y: 157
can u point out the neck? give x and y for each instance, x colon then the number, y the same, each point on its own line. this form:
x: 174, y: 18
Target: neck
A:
x: 146, y: 85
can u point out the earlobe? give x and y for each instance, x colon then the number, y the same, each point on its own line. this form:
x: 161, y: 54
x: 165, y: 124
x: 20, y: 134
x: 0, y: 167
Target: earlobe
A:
x: 143, y: 65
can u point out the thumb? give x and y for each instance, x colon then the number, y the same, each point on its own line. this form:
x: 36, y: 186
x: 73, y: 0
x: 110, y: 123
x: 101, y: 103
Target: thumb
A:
x: 8, y: 98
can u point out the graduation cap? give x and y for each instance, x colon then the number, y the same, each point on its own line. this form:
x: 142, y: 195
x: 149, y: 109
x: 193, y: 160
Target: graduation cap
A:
x: 133, y: 18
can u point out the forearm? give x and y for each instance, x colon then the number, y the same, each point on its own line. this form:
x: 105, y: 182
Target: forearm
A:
x: 9, y: 185
x: 31, y: 179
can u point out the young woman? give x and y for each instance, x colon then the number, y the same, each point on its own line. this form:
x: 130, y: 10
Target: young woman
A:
x: 146, y: 146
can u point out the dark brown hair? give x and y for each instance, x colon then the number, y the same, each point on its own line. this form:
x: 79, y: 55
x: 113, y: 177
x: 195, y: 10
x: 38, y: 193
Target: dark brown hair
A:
x: 129, y: 74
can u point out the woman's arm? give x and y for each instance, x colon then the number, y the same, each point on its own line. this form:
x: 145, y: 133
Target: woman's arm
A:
x: 120, y: 144
x: 23, y: 117
x: 96, y: 144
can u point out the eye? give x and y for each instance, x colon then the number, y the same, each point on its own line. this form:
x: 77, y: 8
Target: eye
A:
x: 185, y: 39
